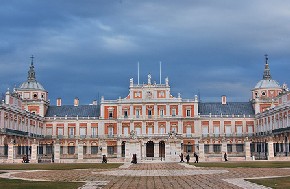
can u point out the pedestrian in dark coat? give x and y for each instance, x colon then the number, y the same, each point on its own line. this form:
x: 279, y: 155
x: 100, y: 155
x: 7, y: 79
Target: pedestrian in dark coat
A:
x: 226, y: 157
x: 181, y: 157
x: 187, y: 158
x: 196, y: 157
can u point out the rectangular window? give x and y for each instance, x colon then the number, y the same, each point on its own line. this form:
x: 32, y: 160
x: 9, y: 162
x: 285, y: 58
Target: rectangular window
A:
x: 125, y: 114
x: 83, y: 132
x: 150, y: 129
x: 110, y: 150
x: 94, y: 131
x: 71, y: 150
x: 250, y: 130
x: 162, y: 130
x: 188, y: 113
x: 60, y: 131
x: 228, y: 130
x: 205, y: 130
x: 240, y: 147
x: 111, y: 131
x: 173, y: 112
x: 239, y: 130
x: 48, y: 149
x: 138, y: 130
x: 94, y: 149
x: 188, y: 130
x: 71, y: 131
x: 216, y: 130
x: 110, y: 114
x: 161, y: 113
x: 126, y: 131
x: 206, y: 148
x: 229, y: 148
x: 137, y: 113
x: 216, y: 148
x: 188, y: 148
x: 48, y: 131
x: 149, y: 113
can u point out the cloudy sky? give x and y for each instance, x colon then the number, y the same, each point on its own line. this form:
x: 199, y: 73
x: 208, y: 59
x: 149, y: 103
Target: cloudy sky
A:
x: 91, y: 48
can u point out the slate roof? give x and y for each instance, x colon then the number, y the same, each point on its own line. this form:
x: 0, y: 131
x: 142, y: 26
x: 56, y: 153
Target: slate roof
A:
x: 73, y: 111
x: 217, y: 108
x: 31, y: 85
x: 267, y: 84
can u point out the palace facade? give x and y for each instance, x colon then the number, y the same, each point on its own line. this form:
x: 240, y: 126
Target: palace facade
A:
x: 149, y: 122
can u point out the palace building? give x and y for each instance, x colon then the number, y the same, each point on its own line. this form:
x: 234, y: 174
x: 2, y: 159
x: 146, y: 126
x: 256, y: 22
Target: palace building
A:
x: 149, y: 122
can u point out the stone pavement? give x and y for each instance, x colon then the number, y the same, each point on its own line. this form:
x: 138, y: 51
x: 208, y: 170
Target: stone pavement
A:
x: 156, y: 175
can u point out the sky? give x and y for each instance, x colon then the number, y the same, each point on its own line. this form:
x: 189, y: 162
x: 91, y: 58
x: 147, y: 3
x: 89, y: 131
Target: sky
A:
x: 91, y: 48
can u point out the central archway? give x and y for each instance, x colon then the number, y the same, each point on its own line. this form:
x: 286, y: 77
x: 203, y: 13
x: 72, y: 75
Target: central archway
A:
x: 150, y: 149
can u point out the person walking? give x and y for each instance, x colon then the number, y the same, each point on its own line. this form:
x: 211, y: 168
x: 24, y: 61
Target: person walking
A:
x: 187, y: 158
x: 196, y: 157
x: 181, y: 158
x: 226, y: 156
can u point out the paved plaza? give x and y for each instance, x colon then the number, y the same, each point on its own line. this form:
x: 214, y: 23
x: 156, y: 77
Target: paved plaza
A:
x: 155, y: 175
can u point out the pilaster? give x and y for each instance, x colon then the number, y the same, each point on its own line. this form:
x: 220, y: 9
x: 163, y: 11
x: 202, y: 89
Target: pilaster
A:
x: 248, y: 150
x: 34, y: 151
x: 57, y: 152
x: 201, y: 151
x: 80, y: 150
x: 11, y: 151
x: 270, y: 150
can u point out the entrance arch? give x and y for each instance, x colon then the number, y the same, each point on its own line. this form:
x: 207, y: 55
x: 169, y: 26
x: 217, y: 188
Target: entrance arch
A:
x: 150, y: 149
x: 162, y: 149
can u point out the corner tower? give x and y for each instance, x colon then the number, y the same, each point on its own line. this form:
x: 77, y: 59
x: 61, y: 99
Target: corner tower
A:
x: 34, y: 96
x: 265, y: 91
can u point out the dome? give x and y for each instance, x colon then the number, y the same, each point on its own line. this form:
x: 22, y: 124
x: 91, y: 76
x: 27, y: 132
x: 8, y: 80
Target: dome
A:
x: 264, y: 84
x: 31, y: 85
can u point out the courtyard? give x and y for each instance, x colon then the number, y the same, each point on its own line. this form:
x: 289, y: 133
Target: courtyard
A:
x: 143, y: 175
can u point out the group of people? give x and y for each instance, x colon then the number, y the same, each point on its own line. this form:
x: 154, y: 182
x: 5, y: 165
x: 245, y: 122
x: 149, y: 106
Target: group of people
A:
x: 196, y: 157
x: 134, y: 159
x: 25, y: 159
x: 187, y: 157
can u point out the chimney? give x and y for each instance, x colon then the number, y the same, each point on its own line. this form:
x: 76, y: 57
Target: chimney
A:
x: 76, y: 101
x: 58, y: 102
x: 224, y: 99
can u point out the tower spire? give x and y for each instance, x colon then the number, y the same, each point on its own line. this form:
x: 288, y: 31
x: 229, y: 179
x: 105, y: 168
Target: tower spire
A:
x: 31, y: 72
x: 267, y: 75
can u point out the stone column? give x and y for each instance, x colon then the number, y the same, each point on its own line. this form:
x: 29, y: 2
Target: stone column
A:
x: 34, y: 152
x: 57, y: 152
x: 104, y: 148
x: 169, y: 151
x: 156, y: 150
x: 270, y: 150
x: 119, y: 149
x: 201, y: 151
x: 248, y: 150
x: 89, y: 150
x: 127, y: 151
x: 80, y: 150
x: 11, y: 151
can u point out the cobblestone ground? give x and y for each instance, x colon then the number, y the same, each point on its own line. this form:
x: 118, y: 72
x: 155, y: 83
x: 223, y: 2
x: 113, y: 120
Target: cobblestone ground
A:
x: 158, y: 175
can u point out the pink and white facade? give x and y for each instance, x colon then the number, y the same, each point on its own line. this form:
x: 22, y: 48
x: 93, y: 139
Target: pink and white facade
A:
x: 148, y: 121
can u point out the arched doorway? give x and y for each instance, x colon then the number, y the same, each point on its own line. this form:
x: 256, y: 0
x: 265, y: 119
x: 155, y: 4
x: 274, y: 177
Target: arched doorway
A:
x: 150, y: 149
x: 162, y: 149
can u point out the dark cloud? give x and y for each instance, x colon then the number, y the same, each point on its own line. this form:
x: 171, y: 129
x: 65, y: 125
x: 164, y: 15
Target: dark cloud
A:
x: 91, y: 48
